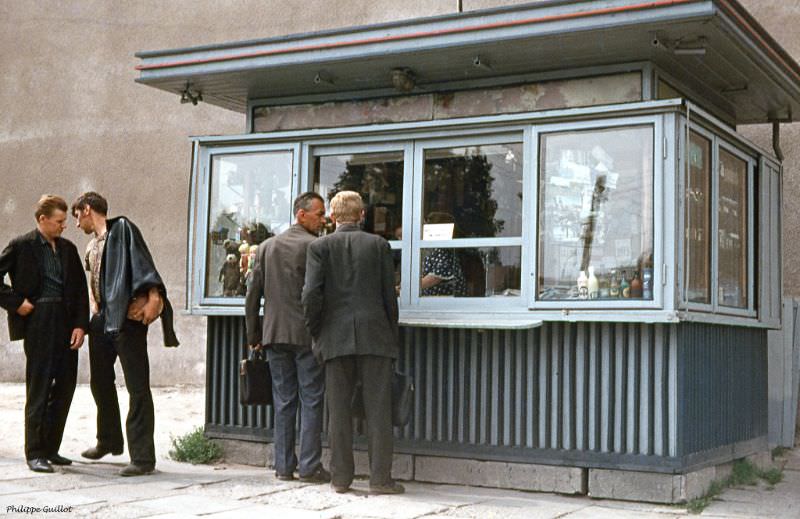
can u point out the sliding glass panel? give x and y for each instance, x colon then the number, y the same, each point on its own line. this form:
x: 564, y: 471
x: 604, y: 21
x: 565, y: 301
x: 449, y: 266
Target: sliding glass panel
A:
x: 470, y: 272
x: 378, y: 177
x: 472, y: 192
x: 697, y: 235
x: 732, y: 235
x: 596, y: 214
x: 250, y: 200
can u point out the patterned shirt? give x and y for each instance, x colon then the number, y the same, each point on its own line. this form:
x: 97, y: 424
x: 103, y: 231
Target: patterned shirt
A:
x: 444, y: 264
x: 53, y: 277
x: 93, y: 261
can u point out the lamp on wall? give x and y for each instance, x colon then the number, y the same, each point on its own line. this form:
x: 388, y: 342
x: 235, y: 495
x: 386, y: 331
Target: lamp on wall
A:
x: 403, y: 79
x: 191, y: 96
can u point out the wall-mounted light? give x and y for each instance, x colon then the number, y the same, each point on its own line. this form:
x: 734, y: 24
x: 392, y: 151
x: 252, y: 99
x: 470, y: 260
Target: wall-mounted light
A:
x: 481, y: 62
x: 191, y: 96
x: 403, y: 79
x: 323, y: 77
x: 681, y: 46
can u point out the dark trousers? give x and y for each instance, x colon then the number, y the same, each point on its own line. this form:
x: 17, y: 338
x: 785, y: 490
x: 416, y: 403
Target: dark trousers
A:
x: 51, y: 371
x: 130, y: 345
x: 375, y: 375
x: 297, y: 377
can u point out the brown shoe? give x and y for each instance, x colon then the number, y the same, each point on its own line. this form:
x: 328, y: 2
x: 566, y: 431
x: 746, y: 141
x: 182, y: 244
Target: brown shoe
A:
x: 97, y: 452
x: 317, y: 477
x: 133, y: 469
x: 392, y: 488
x: 340, y: 489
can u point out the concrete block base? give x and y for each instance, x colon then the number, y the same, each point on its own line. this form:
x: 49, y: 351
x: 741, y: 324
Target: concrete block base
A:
x: 246, y: 453
x: 519, y: 476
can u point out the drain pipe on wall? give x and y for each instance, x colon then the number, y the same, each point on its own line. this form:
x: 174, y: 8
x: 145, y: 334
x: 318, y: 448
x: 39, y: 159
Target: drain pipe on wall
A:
x: 776, y: 140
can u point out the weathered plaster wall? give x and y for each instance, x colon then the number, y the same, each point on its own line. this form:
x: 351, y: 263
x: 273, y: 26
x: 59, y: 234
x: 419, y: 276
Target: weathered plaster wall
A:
x: 72, y: 119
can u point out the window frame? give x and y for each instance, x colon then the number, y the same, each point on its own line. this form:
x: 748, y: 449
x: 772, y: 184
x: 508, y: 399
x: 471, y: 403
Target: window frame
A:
x: 729, y: 145
x: 200, y: 237
x: 414, y: 299
x: 660, y: 139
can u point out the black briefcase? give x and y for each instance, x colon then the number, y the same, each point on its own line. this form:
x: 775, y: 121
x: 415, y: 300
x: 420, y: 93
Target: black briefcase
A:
x: 255, y: 380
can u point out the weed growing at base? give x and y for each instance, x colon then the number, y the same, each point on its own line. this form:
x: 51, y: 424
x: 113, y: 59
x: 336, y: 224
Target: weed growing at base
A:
x: 195, y: 448
x: 743, y: 473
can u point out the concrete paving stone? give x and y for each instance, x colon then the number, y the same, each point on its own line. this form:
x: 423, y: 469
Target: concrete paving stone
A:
x: 64, y: 481
x: 309, y: 497
x: 111, y: 511
x: 124, y: 493
x: 191, y: 504
x: 241, y: 487
x: 495, y: 511
x: 386, y: 507
x: 8, y: 487
x: 266, y: 512
x: 43, y: 499
x: 602, y: 512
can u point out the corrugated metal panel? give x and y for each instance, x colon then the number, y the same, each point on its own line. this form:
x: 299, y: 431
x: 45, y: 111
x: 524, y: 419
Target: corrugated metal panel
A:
x: 613, y: 395
x: 722, y: 385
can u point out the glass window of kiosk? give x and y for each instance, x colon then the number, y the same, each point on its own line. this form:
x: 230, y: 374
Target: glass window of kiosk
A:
x: 596, y: 217
x: 249, y: 200
x: 471, y: 221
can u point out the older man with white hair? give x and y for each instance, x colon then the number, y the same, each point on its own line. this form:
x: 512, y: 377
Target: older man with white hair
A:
x: 351, y: 312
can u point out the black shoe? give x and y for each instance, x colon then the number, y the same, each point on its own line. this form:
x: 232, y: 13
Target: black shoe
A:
x: 318, y: 476
x: 285, y: 477
x: 133, y: 469
x: 57, y: 459
x: 391, y: 488
x: 95, y: 453
x: 40, y: 465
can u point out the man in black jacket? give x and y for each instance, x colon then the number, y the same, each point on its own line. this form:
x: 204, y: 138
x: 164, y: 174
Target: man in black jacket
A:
x: 127, y: 294
x: 48, y: 307
x: 350, y: 309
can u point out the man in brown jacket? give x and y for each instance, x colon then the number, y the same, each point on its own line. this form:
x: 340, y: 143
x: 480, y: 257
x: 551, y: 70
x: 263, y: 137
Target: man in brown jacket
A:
x: 278, y: 276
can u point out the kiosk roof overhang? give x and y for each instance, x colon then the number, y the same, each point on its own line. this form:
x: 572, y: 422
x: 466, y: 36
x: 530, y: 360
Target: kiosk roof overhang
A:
x: 714, y: 47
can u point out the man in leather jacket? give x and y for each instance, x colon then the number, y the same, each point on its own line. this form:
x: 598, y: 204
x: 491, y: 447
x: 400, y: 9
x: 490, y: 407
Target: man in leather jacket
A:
x: 48, y: 307
x: 127, y: 294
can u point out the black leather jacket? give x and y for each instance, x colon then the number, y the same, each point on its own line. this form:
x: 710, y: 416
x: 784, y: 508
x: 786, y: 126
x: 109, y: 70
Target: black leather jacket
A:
x: 127, y: 270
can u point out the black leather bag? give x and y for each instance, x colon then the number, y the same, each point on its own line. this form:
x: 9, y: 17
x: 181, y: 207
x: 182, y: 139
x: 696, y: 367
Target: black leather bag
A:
x: 402, y: 399
x: 255, y: 380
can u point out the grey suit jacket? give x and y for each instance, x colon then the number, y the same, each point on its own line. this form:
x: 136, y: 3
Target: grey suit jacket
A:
x: 278, y: 276
x: 349, y: 298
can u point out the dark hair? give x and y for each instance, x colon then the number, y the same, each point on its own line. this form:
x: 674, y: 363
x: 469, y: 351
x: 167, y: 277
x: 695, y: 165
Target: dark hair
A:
x: 49, y: 203
x: 304, y: 201
x: 91, y: 199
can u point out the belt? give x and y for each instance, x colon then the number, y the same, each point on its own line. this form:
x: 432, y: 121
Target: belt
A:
x: 49, y: 300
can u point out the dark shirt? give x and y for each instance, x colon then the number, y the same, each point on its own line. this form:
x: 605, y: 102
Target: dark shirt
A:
x: 53, y: 276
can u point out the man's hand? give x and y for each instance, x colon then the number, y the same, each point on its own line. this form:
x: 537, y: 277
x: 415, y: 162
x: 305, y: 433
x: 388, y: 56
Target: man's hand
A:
x: 25, y: 308
x: 146, y: 307
x: 76, y: 341
x: 256, y: 347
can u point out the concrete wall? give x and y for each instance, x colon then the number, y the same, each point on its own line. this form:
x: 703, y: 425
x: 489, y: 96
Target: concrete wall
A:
x: 72, y: 119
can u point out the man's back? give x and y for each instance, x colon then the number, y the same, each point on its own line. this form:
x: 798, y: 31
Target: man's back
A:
x: 278, y: 276
x: 351, y: 307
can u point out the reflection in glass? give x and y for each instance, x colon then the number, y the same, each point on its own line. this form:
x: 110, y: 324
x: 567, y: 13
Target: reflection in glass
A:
x: 477, y: 189
x: 698, y: 221
x: 470, y: 272
x: 596, y: 214
x: 250, y: 200
x: 378, y: 177
x: 732, y: 235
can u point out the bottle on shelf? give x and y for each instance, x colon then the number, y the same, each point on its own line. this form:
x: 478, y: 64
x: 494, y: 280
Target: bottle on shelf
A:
x: 636, y: 286
x: 624, y: 286
x: 613, y: 286
x: 593, y: 285
x: 647, y: 283
x: 583, y: 289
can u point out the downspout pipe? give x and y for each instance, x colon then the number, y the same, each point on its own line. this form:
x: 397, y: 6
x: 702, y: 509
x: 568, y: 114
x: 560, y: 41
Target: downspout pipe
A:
x: 776, y: 140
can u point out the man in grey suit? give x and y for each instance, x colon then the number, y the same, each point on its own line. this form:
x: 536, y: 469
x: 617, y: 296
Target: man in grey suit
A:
x: 278, y: 276
x: 351, y: 311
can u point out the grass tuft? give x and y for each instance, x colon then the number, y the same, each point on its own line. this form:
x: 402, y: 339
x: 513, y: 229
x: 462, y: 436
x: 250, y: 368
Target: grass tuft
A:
x: 195, y: 448
x: 743, y: 473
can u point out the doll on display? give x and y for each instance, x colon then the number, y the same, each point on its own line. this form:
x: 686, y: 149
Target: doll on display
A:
x: 230, y: 277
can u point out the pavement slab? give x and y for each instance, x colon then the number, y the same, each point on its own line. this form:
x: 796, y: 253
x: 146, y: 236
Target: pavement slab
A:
x: 223, y: 490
